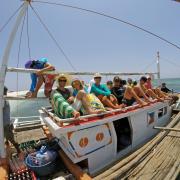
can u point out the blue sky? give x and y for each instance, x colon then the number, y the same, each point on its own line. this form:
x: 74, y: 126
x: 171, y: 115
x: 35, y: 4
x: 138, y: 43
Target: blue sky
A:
x: 95, y: 43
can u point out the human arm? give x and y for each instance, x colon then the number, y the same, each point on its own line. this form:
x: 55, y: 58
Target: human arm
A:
x: 98, y: 91
x: 47, y: 67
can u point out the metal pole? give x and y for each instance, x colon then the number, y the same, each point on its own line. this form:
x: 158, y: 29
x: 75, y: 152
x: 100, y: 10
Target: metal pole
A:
x: 3, y: 74
x: 158, y: 69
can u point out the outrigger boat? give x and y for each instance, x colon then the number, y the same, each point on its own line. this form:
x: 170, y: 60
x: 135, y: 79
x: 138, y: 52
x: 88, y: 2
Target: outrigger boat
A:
x: 92, y: 143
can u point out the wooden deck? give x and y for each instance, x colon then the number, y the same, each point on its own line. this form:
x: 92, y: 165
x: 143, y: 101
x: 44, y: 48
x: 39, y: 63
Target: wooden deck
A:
x: 158, y: 159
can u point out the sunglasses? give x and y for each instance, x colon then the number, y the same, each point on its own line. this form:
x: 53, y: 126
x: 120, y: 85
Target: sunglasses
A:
x: 62, y: 80
x: 97, y: 78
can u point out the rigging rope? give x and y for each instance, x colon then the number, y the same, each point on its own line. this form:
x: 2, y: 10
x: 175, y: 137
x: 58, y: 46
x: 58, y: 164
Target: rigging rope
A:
x: 9, y: 19
x: 149, y: 65
x: 171, y: 62
x: 28, y: 39
x: 111, y: 17
x: 52, y: 37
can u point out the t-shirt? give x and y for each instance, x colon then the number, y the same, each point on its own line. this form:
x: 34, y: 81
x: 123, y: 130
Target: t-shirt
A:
x: 66, y: 93
x: 165, y: 89
x: 118, y: 92
x: 101, y: 89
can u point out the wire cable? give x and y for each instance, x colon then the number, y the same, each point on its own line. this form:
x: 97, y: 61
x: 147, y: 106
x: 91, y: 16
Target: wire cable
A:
x: 149, y: 65
x: 171, y: 62
x: 52, y: 37
x: 10, y: 18
x: 111, y: 17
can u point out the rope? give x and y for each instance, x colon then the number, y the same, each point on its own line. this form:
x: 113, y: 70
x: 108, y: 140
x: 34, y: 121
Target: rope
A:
x: 52, y: 37
x: 112, y: 17
x: 149, y: 65
x: 9, y: 19
x: 28, y: 39
x: 171, y: 62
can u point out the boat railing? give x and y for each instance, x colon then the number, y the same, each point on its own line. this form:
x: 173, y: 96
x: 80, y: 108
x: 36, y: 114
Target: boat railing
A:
x: 86, y: 117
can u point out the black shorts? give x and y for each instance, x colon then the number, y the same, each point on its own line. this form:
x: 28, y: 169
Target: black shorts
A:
x: 129, y: 102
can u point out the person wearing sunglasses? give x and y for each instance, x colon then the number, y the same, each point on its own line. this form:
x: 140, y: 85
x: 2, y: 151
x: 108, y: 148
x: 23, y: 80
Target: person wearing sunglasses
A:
x: 39, y: 78
x: 62, y: 100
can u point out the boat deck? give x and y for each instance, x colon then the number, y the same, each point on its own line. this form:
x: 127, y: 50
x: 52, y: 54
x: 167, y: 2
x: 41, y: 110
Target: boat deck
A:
x: 158, y: 159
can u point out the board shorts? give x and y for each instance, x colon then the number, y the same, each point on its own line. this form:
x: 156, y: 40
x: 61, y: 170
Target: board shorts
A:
x: 48, y: 81
x: 129, y: 102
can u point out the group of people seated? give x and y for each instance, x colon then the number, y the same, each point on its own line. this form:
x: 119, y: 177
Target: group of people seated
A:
x: 94, y: 98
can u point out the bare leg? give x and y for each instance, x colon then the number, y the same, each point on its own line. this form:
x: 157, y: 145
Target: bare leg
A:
x: 161, y: 94
x: 83, y: 98
x: 130, y: 93
x: 113, y: 99
x: 106, y: 101
x: 140, y: 93
x: 153, y: 95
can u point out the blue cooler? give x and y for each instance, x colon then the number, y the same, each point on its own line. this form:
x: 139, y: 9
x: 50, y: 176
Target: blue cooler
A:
x: 42, y: 162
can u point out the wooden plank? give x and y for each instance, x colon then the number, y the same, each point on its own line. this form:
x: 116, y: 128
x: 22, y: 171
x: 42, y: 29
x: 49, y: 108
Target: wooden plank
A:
x: 73, y: 168
x: 167, y: 129
x: 126, y: 164
x: 23, y: 70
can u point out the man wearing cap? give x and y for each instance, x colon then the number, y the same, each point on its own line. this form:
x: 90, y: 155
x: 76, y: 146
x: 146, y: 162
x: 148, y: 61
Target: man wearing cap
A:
x: 38, y: 78
x: 103, y: 93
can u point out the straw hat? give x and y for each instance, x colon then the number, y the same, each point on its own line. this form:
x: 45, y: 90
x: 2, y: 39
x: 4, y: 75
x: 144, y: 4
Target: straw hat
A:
x: 97, y: 75
x: 64, y: 76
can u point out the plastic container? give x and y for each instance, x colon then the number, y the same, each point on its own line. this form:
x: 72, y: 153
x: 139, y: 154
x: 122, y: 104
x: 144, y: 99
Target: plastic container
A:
x: 42, y: 162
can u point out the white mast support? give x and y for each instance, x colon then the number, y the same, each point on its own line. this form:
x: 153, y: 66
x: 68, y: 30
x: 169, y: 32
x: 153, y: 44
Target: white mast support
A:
x: 23, y: 70
x: 158, y: 69
x: 3, y: 73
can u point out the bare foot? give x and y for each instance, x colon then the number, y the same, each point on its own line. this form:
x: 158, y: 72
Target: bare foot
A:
x: 76, y: 114
x: 108, y: 108
x: 160, y: 99
x: 142, y: 104
x: 122, y: 105
x: 34, y: 95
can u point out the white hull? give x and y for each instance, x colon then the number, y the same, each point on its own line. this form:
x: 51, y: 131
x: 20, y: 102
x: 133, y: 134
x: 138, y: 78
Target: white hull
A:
x: 99, y: 142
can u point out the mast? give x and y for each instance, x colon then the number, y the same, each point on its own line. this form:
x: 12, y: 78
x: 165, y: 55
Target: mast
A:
x: 158, y: 69
x: 3, y: 69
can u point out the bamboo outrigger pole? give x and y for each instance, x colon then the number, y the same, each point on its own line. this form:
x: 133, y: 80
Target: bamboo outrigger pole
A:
x: 3, y: 73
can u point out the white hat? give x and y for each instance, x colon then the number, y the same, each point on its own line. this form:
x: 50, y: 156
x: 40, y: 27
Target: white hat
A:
x: 97, y: 75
